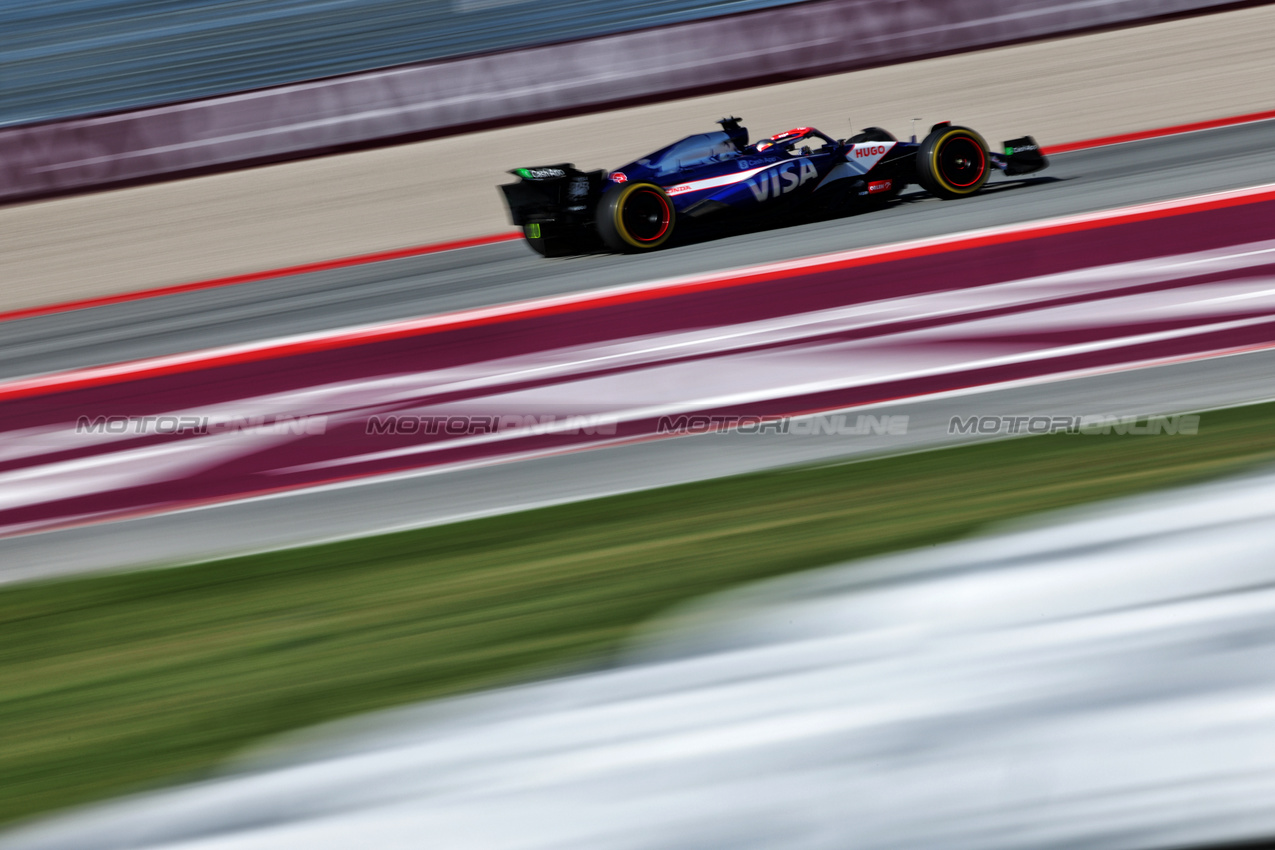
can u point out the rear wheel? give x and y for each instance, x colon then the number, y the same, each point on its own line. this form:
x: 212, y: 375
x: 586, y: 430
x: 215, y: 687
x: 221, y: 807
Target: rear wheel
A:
x: 635, y: 217
x: 952, y: 162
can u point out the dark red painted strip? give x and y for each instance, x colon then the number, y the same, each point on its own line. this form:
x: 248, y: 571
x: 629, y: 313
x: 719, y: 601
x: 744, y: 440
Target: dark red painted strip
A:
x: 97, y: 509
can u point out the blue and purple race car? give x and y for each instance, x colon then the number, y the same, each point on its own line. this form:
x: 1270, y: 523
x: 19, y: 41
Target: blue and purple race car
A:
x: 720, y: 177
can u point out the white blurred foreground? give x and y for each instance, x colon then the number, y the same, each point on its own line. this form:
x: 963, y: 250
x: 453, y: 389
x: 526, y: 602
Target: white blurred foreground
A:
x: 1107, y: 681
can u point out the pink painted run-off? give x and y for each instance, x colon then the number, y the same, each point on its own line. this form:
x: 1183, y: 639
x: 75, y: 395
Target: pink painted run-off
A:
x: 494, y: 238
x: 833, y: 334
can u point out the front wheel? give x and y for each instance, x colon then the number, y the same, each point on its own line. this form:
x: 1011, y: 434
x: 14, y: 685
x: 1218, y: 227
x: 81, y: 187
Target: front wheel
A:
x: 634, y: 217
x: 952, y: 162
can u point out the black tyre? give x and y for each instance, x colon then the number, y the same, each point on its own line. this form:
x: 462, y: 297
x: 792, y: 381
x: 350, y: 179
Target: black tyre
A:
x: 872, y: 134
x: 952, y: 162
x: 553, y: 240
x: 635, y: 217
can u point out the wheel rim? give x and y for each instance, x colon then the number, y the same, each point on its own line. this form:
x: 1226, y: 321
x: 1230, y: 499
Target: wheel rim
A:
x: 961, y: 162
x: 646, y: 215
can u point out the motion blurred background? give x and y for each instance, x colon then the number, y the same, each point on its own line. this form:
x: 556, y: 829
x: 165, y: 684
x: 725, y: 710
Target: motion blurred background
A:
x: 915, y: 630
x: 76, y: 58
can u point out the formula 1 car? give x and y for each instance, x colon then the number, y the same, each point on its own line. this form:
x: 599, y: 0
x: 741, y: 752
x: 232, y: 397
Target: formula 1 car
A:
x: 721, y: 177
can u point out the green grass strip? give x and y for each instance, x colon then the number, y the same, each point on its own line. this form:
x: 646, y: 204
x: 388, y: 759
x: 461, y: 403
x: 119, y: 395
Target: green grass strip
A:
x: 113, y: 683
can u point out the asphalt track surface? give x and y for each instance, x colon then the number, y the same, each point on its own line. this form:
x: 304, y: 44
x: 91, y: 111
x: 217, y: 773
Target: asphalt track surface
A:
x: 1081, y: 181
x: 349, y: 509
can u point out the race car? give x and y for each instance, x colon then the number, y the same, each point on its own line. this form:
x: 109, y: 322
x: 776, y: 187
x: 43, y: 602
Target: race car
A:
x: 720, y: 177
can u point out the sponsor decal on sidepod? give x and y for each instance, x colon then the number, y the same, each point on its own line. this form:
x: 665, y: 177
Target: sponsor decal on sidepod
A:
x: 769, y: 181
x: 782, y: 180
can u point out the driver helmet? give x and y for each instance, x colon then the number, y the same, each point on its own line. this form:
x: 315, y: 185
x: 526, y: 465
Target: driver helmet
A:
x: 763, y: 145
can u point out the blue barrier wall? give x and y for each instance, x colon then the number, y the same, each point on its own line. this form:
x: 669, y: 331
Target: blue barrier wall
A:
x: 71, y: 57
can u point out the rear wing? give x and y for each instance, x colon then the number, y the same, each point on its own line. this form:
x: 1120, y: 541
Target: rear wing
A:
x: 1021, y: 156
x: 553, y: 193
